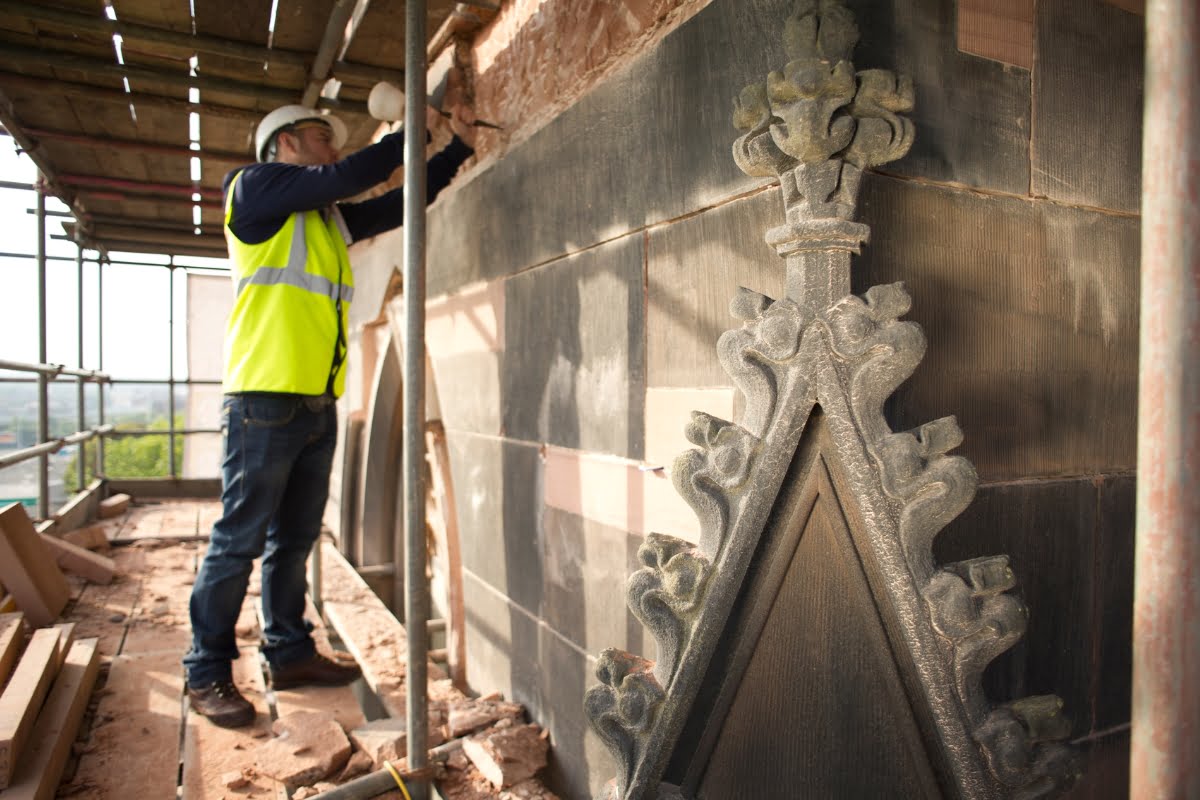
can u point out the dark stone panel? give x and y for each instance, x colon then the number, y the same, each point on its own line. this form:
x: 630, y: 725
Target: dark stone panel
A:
x: 502, y: 645
x: 1105, y: 769
x: 1087, y: 104
x: 1048, y: 531
x: 498, y: 493
x: 1114, y: 601
x: 694, y: 268
x: 821, y: 695
x: 971, y: 113
x: 579, y: 762
x: 586, y: 566
x: 1031, y: 314
x: 652, y: 143
x: 574, y: 372
x: 512, y: 653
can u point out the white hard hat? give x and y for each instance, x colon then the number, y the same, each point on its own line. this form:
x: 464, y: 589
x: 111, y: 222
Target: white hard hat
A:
x: 290, y: 115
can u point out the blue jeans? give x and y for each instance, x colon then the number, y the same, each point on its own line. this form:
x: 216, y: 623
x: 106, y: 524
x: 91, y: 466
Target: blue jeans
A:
x: 275, y: 481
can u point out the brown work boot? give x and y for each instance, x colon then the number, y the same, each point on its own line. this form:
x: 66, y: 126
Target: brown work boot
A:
x: 222, y: 703
x: 314, y: 671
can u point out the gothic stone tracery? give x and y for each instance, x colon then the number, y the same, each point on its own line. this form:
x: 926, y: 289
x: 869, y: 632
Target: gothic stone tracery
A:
x: 816, y: 125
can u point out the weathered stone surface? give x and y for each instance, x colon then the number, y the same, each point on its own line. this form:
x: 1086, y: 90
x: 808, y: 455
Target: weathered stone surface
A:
x: 1112, y: 671
x: 1036, y: 353
x: 359, y: 764
x: 816, y: 368
x: 502, y: 637
x: 234, y: 779
x: 308, y: 746
x: 387, y: 739
x: 472, y: 715
x: 573, y: 334
x: 973, y: 115
x: 1087, y: 104
x: 381, y: 740
x: 499, y: 519
x: 1046, y: 528
x: 584, y: 560
x: 686, y: 316
x: 508, y: 755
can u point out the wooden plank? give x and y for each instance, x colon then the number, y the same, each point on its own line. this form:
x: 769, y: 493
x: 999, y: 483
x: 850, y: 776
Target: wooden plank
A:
x: 138, y: 722
x: 210, y: 752
x: 104, y: 611
x: 73, y: 558
x: 22, y: 699
x: 66, y: 638
x: 93, y: 537
x: 160, y: 620
x: 35, y: 581
x: 12, y: 629
x: 41, y: 769
x: 1001, y: 30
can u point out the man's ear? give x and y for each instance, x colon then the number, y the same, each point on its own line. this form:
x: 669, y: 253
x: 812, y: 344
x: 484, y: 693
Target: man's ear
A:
x: 287, y: 136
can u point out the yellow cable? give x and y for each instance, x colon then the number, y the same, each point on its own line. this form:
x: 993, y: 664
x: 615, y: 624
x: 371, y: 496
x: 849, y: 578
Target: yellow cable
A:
x: 399, y: 781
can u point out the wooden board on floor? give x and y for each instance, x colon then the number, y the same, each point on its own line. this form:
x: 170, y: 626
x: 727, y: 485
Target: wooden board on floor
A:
x: 73, y: 558
x: 103, y: 611
x: 162, y: 521
x: 22, y: 699
x: 42, y: 766
x: 210, y: 752
x: 160, y: 620
x: 28, y: 571
x: 137, y: 722
x: 12, y: 636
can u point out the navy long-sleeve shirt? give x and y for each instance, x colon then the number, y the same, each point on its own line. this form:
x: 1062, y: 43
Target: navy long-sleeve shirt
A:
x: 267, y: 194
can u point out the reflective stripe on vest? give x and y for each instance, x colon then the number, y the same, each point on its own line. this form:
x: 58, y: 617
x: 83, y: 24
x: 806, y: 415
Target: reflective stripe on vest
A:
x: 294, y: 274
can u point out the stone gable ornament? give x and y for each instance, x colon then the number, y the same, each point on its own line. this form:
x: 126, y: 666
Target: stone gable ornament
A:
x: 809, y: 644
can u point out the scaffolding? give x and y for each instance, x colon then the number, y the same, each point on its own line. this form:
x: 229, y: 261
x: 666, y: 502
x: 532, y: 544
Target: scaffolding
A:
x: 44, y: 373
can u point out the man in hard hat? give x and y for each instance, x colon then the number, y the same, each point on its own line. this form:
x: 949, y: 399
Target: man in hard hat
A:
x: 285, y: 346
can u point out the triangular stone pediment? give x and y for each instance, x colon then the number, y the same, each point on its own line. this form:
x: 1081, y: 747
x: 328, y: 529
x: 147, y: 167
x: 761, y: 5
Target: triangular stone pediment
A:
x: 805, y: 641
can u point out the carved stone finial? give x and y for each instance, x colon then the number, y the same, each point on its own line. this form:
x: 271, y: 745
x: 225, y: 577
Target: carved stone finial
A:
x: 815, y: 125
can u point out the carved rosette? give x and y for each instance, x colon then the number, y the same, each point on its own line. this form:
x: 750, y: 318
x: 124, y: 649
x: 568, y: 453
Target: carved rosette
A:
x: 815, y: 125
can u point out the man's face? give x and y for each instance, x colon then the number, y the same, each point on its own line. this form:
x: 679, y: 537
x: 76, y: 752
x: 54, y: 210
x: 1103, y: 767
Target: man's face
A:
x: 309, y: 144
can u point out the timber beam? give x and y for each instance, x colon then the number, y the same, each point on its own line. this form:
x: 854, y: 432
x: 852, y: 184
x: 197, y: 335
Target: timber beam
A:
x: 23, y: 55
x: 105, y: 142
x: 358, y: 74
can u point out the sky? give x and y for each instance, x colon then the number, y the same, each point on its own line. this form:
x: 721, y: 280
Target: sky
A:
x: 137, y: 299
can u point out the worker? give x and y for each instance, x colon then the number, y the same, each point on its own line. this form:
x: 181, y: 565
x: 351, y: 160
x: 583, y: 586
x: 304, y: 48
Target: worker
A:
x: 285, y: 350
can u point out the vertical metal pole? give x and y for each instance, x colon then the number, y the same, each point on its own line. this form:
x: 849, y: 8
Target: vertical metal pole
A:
x: 100, y: 387
x: 81, y: 422
x: 43, y: 389
x: 1166, y: 612
x: 172, y: 467
x: 416, y: 602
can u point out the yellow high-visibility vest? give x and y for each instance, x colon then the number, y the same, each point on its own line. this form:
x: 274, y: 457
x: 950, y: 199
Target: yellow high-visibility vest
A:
x: 283, y: 328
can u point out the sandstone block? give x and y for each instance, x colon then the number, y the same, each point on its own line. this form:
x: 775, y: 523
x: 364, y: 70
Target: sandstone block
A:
x: 509, y: 755
x: 308, y: 746
x: 113, y: 506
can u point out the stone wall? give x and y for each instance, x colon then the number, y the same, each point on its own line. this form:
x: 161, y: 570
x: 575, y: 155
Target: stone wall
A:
x: 580, y: 274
